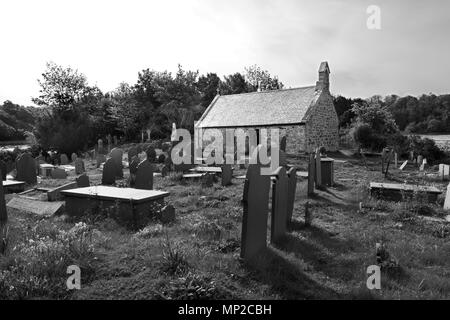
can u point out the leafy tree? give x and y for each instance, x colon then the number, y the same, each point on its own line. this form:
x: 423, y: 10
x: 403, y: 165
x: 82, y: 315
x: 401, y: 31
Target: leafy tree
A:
x: 208, y: 86
x: 234, y: 84
x: 257, y: 77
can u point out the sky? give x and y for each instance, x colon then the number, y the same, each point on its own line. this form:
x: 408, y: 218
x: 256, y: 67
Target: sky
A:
x: 111, y: 41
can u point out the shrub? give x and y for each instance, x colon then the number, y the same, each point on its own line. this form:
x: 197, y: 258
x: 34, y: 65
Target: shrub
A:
x: 173, y: 260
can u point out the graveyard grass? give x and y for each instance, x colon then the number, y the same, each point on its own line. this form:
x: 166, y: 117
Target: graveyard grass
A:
x: 197, y: 256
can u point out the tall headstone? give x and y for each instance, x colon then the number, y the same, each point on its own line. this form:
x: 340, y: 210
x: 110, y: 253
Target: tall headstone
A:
x: 73, y: 157
x: 318, y: 168
x: 100, y: 147
x: 311, y: 174
x: 422, y: 165
x: 148, y: 134
x: 256, y: 207
x: 133, y: 169
x: 101, y: 158
x: 26, y: 168
x: 63, y: 159
x: 396, y: 160
x: 3, y: 212
x: 151, y: 154
x: 447, y: 199
x: 292, y: 188
x: 58, y: 173
x: 79, y: 166
x: 3, y: 169
x: 109, y: 172
x: 279, y: 205
x: 117, y: 156
x: 133, y: 151
x: 227, y: 174
x: 144, y: 176
x: 83, y: 181
x: 173, y: 136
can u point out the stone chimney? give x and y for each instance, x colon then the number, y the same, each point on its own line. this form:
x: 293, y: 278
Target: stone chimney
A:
x: 324, y: 79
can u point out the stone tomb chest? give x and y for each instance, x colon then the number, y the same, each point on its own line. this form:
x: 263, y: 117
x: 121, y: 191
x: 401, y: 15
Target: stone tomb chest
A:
x: 133, y: 208
x: 403, y: 192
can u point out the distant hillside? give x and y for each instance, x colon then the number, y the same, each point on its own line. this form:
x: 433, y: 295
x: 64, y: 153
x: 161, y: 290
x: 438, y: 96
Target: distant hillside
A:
x: 16, y: 119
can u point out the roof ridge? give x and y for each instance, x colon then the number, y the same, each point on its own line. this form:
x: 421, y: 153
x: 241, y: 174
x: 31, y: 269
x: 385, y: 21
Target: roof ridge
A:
x: 267, y: 91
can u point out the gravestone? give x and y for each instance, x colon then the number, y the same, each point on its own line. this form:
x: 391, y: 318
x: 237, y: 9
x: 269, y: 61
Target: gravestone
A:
x: 164, y: 171
x: 133, y: 151
x: 134, y: 165
x: 79, y: 166
x: 207, y: 180
x: 58, y: 173
x: 419, y: 160
x: 3, y: 169
x: 173, y: 136
x: 422, y: 166
x: 83, y: 181
x: 63, y: 159
x: 73, y: 157
x: 100, y: 147
x: 318, y: 167
x: 144, y: 176
x: 396, y: 159
x: 283, y: 144
x: 115, y: 140
x: 40, y: 208
x: 117, y: 155
x: 292, y: 187
x: 256, y: 206
x: 109, y: 172
x: 151, y: 154
x: 279, y: 205
x: 26, y: 169
x: 148, y: 134
x: 446, y: 171
x: 100, y: 159
x: 311, y: 174
x: 447, y: 199
x: 3, y: 212
x: 403, y: 165
x: 227, y: 174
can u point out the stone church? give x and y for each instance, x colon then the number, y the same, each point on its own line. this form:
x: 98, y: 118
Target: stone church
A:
x: 306, y: 115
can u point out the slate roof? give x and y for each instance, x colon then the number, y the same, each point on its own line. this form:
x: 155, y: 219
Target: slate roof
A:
x: 267, y: 108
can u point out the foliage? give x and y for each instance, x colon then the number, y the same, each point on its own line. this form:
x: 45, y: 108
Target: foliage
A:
x: 425, y: 147
x: 258, y: 77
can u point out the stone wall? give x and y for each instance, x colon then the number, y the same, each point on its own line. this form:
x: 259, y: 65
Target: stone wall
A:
x: 322, y: 125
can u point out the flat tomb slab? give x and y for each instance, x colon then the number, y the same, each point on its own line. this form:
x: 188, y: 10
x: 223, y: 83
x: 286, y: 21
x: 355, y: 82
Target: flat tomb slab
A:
x: 193, y: 175
x: 133, y: 208
x: 114, y: 194
x: 13, y: 185
x: 303, y: 174
x: 41, y: 208
x: 207, y: 169
x: 396, y: 191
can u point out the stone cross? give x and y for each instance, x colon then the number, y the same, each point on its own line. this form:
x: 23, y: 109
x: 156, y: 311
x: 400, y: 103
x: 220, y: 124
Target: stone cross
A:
x: 26, y: 168
x: 278, y: 225
x: 144, y: 176
x: 109, y: 172
x: 256, y: 206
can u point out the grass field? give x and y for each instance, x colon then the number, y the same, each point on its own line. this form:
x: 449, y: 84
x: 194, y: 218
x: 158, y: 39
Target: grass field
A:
x: 197, y: 256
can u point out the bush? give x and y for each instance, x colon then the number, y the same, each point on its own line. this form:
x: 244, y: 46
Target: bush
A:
x: 426, y: 147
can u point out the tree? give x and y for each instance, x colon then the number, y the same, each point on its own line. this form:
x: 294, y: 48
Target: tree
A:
x: 257, y: 77
x: 208, y: 86
x: 62, y: 88
x: 234, y: 84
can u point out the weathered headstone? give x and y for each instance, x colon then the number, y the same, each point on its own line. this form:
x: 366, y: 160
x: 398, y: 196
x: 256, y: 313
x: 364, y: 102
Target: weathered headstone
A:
x: 419, y: 160
x: 58, y: 173
x: 422, y: 165
x: 148, y: 134
x: 173, y: 136
x: 109, y: 172
x: 63, y: 159
x: 318, y: 168
x: 115, y: 140
x: 279, y: 205
x: 79, y: 166
x: 117, y: 156
x: 151, y: 154
x: 283, y: 144
x: 403, y: 165
x: 227, y: 174
x: 396, y: 159
x: 292, y: 187
x: 26, y: 168
x: 311, y: 174
x: 133, y: 151
x: 83, y: 181
x: 3, y: 169
x: 256, y: 206
x: 100, y: 147
x: 3, y: 212
x: 73, y: 157
x: 167, y: 214
x: 144, y: 176
x: 447, y: 199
